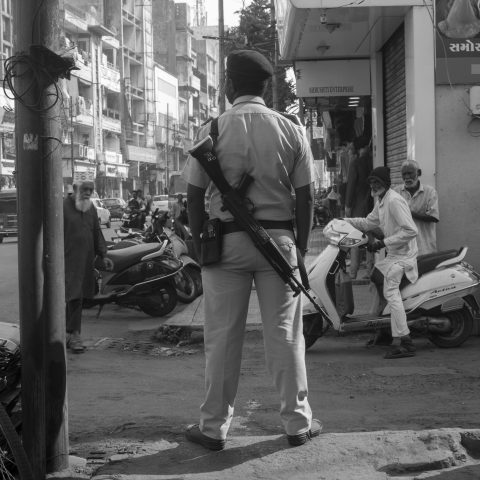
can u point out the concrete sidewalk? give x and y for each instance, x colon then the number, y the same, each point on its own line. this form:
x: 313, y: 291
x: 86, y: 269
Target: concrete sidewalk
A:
x: 441, y: 454
x: 192, y: 315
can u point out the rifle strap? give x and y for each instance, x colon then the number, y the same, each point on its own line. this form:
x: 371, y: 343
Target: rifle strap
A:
x: 301, y: 266
x: 214, y: 132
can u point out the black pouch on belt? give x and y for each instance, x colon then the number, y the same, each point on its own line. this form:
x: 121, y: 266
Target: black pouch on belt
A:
x: 211, y: 242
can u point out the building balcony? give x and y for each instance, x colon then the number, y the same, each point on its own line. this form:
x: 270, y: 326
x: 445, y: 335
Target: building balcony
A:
x: 84, y: 65
x: 78, y: 152
x: 111, y: 121
x: 110, y: 78
x: 82, y: 113
x: 141, y: 154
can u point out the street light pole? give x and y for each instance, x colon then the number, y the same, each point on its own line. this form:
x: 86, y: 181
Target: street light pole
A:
x: 221, y: 56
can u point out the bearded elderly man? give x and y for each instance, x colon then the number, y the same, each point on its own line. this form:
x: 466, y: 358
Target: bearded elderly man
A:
x: 392, y: 215
x: 423, y: 202
x: 83, y: 239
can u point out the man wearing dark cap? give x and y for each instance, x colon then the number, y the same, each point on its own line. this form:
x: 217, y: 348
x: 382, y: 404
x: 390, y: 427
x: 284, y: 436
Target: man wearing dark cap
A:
x: 392, y: 214
x: 83, y: 239
x: 275, y: 152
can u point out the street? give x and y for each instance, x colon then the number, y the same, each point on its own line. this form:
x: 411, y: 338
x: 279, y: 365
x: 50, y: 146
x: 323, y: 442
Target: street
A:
x: 129, y: 388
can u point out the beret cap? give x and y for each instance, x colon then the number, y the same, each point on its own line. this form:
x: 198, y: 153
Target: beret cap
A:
x: 248, y: 64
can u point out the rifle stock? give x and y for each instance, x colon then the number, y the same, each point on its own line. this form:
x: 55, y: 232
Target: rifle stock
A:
x: 234, y: 202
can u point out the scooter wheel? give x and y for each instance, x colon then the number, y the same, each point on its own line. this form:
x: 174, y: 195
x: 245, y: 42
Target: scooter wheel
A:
x: 187, y: 287
x: 462, y: 328
x: 160, y: 303
x: 312, y: 328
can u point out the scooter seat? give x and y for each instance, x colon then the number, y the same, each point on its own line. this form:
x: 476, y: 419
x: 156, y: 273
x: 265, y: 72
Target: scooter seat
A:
x: 126, y: 257
x: 427, y: 263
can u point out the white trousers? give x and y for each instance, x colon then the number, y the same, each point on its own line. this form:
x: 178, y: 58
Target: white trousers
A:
x: 391, y: 292
x: 227, y: 287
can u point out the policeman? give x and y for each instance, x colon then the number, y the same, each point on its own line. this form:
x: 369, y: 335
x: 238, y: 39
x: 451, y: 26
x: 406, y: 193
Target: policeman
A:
x: 274, y: 151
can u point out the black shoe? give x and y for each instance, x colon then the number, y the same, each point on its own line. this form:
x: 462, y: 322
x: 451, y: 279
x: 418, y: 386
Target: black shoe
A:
x: 194, y: 434
x: 301, y: 438
x: 405, y: 349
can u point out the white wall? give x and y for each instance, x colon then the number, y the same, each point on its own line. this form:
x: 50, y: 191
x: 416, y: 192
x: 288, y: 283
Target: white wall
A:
x: 420, y: 91
x: 458, y: 177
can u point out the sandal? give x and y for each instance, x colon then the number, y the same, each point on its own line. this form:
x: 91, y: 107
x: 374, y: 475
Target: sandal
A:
x: 399, y: 352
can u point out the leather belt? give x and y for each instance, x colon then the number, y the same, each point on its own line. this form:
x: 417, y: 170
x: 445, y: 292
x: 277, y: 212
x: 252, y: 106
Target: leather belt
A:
x: 231, y: 227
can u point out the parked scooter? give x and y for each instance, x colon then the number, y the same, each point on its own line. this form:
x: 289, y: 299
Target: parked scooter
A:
x: 139, y: 276
x: 439, y: 304
x: 188, y: 281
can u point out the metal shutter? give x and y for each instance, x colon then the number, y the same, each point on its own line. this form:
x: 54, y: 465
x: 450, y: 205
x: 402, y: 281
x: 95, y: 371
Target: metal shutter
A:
x: 394, y: 102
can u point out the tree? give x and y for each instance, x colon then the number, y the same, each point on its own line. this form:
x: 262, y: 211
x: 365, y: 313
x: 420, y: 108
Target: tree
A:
x: 257, y: 31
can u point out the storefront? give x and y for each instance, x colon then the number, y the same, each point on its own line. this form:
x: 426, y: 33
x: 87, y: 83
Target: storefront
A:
x: 424, y: 100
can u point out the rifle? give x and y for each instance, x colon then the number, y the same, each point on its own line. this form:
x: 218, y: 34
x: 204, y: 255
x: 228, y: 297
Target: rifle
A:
x: 234, y: 201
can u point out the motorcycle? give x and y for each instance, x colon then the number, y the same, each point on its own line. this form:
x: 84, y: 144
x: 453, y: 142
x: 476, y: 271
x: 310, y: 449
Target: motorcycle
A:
x: 140, y: 276
x: 439, y: 304
x: 188, y: 281
x: 14, y: 462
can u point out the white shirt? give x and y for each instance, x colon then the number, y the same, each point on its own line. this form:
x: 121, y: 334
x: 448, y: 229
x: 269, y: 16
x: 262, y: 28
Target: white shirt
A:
x: 424, y: 202
x: 259, y: 141
x: 392, y: 215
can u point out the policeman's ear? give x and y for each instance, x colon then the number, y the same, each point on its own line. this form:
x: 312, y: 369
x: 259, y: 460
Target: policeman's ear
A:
x: 419, y: 172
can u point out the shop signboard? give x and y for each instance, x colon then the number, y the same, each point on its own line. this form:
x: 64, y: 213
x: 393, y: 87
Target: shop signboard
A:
x: 457, y: 42
x: 332, y: 78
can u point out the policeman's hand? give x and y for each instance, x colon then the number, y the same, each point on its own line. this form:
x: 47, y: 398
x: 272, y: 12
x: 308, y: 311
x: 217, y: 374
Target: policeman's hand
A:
x: 107, y: 264
x: 375, y: 246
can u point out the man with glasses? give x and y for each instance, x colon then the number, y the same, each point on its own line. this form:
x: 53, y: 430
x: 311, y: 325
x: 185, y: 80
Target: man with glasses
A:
x: 392, y: 215
x: 83, y: 239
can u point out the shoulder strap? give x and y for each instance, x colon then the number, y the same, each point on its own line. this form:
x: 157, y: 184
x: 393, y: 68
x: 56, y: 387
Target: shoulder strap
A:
x: 214, y: 131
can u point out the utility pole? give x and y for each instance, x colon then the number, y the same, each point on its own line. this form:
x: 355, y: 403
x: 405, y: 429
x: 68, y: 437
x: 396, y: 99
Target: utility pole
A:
x: 40, y: 240
x: 275, y: 55
x: 221, y: 58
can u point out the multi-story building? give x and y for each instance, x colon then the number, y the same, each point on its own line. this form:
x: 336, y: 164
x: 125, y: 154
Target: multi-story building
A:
x: 133, y: 22
x: 195, y: 65
x: 7, y: 113
x: 167, y: 137
x: 92, y: 101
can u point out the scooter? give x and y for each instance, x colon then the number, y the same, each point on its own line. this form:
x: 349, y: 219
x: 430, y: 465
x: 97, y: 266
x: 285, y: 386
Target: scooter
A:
x: 140, y: 276
x: 188, y: 281
x: 439, y: 304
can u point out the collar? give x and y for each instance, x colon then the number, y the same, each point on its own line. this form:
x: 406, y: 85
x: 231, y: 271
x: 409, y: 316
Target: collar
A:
x: 249, y: 99
x: 382, y: 200
x: 420, y: 189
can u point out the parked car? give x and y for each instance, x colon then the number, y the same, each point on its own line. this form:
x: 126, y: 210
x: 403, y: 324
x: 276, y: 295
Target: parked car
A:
x: 116, y: 206
x: 160, y: 202
x: 8, y: 214
x: 102, y: 212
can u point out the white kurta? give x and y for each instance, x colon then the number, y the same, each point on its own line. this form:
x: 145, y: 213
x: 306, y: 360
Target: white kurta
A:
x: 392, y: 215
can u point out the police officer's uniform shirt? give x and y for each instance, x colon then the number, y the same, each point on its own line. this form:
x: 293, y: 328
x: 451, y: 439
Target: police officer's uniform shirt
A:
x: 273, y: 150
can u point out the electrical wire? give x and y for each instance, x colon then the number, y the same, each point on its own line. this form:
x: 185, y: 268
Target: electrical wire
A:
x: 24, y: 66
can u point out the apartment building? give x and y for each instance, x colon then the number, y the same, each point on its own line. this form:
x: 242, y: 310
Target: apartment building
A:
x: 92, y: 126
